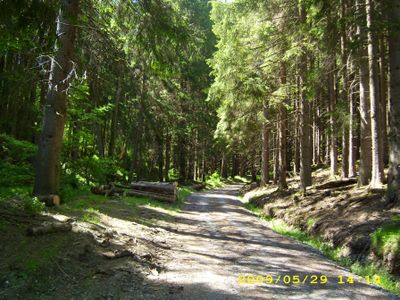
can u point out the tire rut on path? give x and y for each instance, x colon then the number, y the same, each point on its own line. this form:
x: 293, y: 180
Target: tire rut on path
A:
x: 216, y: 240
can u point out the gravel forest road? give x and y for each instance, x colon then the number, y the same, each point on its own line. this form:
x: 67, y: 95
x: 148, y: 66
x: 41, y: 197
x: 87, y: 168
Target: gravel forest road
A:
x: 215, y: 240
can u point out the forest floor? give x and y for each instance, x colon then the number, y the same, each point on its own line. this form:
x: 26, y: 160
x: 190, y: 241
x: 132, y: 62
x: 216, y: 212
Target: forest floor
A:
x: 118, y: 249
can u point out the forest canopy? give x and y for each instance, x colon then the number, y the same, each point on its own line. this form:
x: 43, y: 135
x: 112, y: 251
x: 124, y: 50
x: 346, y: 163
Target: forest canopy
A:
x: 177, y: 89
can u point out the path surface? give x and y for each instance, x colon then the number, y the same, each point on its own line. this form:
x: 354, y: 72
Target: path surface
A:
x: 216, y: 240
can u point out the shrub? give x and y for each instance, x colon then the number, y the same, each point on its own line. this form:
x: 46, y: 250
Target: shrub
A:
x: 94, y: 170
x: 16, y: 161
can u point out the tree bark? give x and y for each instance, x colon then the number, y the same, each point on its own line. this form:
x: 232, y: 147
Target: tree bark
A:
x: 345, y: 90
x: 365, y: 120
x: 265, y: 150
x: 394, y: 119
x: 282, y: 136
x: 383, y: 88
x: 352, y: 133
x: 114, y: 119
x: 332, y: 121
x: 167, y: 155
x: 305, y: 147
x: 160, y: 158
x: 377, y: 156
x: 47, y: 175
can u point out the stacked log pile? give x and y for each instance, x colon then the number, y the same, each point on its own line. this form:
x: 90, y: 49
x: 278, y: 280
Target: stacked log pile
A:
x: 164, y: 191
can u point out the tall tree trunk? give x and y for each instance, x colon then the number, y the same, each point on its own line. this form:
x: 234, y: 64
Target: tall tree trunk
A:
x: 305, y: 146
x: 265, y: 150
x: 167, y: 155
x: 377, y: 156
x: 365, y: 120
x: 182, y: 154
x: 47, y: 175
x: 296, y: 163
x: 383, y: 88
x: 114, y: 118
x: 394, y: 120
x: 352, y: 133
x: 282, y: 135
x: 332, y: 120
x: 282, y: 147
x: 345, y: 89
x: 93, y: 94
x: 275, y: 155
x: 160, y: 158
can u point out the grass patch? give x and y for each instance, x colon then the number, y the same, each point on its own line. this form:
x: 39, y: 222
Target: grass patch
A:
x: 386, y: 239
x: 15, y: 191
x: 91, y: 215
x: 387, y: 235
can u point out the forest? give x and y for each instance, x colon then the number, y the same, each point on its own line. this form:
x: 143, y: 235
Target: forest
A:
x: 295, y: 103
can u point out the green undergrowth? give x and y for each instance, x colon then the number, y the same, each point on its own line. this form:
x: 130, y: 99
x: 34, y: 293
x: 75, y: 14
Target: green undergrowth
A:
x: 16, y: 161
x: 384, y: 237
x: 214, y: 181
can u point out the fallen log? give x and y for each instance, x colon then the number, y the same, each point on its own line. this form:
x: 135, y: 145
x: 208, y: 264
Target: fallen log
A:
x: 50, y: 200
x: 162, y: 197
x: 49, y: 228
x: 163, y: 191
x: 336, y: 184
x: 105, y: 190
x: 155, y: 187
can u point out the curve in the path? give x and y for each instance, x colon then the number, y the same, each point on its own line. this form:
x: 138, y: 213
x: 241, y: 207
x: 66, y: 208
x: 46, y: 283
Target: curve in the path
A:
x: 216, y: 240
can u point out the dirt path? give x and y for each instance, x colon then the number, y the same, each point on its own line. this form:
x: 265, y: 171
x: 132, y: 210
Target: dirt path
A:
x: 216, y: 240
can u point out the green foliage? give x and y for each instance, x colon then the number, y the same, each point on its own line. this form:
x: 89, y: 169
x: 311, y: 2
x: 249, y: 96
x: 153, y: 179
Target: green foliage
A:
x: 386, y: 239
x: 91, y: 215
x: 16, y: 161
x: 94, y: 170
x: 173, y: 174
x: 388, y: 281
x: 33, y: 205
x: 183, y: 193
x: 214, y: 180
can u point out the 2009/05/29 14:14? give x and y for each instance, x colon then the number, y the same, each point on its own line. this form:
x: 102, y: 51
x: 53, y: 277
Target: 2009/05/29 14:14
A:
x: 311, y: 279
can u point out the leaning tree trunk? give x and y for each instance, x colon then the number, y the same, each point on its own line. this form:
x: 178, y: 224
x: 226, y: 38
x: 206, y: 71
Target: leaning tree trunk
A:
x: 365, y: 120
x: 377, y: 155
x: 47, y: 175
x: 394, y: 120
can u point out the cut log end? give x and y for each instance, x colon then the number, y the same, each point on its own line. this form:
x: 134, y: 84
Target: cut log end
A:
x: 50, y: 200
